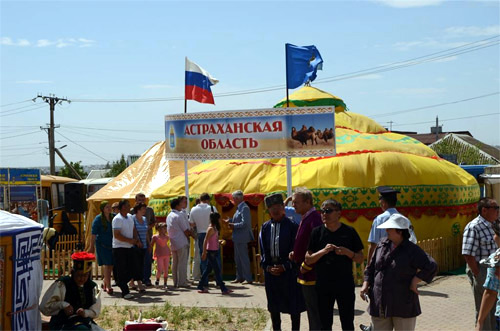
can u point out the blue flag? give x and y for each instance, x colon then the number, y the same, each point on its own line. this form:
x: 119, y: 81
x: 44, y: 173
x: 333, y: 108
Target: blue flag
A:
x: 302, y: 62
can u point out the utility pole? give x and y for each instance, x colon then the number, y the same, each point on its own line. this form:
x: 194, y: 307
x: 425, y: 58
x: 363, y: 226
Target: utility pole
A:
x: 437, y: 128
x: 52, y: 100
x: 73, y: 170
x: 390, y: 125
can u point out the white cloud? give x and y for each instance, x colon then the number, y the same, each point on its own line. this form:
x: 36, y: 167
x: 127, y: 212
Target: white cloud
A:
x: 86, y: 41
x: 43, y: 43
x: 409, y: 3
x: 417, y: 90
x: 369, y: 76
x: 9, y: 42
x: 59, y: 43
x: 156, y: 86
x: 473, y: 31
x: 425, y: 43
x: 34, y: 81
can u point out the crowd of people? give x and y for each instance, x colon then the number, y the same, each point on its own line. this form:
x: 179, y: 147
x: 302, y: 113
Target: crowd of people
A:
x: 125, y: 245
x: 306, y: 255
x: 308, y: 267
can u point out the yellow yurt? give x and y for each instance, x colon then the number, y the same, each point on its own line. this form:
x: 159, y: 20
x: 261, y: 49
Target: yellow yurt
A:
x: 438, y: 196
x: 146, y: 174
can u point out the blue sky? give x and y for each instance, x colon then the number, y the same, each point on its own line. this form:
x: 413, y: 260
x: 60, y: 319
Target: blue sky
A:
x: 123, y: 50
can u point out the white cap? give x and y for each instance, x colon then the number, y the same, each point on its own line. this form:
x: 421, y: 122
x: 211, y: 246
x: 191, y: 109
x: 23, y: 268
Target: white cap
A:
x: 396, y: 221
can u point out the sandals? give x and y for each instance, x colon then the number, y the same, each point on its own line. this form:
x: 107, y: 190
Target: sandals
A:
x: 109, y: 290
x: 203, y: 291
x: 227, y: 292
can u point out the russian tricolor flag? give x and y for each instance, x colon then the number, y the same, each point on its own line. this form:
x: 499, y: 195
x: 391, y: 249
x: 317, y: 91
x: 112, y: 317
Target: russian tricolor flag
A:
x: 198, y: 82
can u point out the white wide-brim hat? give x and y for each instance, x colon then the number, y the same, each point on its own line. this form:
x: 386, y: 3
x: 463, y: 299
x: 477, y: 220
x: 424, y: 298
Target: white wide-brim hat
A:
x: 396, y: 221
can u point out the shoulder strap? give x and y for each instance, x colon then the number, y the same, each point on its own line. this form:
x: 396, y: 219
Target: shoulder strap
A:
x: 212, y: 208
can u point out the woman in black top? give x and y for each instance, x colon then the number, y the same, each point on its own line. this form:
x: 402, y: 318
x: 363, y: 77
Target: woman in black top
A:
x: 332, y: 248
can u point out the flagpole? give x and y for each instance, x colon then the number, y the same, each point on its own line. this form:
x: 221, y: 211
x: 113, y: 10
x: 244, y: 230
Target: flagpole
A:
x: 288, y: 158
x: 186, y: 179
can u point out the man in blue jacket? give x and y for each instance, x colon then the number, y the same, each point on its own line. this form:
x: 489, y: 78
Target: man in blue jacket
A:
x: 241, y: 224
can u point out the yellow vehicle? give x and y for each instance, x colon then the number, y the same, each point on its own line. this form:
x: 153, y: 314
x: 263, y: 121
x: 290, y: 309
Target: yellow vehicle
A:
x: 53, y: 192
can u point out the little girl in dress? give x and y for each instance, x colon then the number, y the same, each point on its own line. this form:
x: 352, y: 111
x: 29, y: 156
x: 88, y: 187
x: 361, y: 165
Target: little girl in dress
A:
x: 162, y: 253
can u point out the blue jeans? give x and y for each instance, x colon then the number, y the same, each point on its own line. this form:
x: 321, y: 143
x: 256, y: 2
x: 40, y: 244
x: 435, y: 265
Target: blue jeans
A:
x: 203, y: 264
x: 212, y: 263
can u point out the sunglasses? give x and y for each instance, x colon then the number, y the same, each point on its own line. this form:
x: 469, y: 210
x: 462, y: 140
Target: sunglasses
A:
x: 494, y: 207
x: 328, y: 210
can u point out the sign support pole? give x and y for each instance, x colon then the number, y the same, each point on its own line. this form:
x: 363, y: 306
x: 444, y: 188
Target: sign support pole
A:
x: 288, y: 158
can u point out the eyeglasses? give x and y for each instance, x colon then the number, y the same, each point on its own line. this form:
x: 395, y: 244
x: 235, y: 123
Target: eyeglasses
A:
x: 328, y: 210
x: 494, y: 207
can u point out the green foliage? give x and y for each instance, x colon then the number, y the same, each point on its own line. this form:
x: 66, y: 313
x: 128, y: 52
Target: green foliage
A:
x: 116, y: 167
x: 67, y: 172
x: 466, y: 154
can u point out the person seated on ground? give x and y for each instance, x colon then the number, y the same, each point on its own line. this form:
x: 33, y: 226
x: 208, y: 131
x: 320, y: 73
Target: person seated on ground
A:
x: 73, y: 301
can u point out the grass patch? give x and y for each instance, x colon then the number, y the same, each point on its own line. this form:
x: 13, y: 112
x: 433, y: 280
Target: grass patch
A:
x: 187, y: 318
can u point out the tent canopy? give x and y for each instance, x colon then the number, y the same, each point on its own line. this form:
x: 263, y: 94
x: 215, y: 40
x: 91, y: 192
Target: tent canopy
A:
x: 367, y: 156
x: 146, y: 174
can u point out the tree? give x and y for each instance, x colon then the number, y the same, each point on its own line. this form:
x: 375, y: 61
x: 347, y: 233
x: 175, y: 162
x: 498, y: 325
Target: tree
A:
x: 67, y: 172
x: 116, y: 167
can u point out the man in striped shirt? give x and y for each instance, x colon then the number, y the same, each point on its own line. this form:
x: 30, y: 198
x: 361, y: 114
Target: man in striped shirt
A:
x: 478, y: 244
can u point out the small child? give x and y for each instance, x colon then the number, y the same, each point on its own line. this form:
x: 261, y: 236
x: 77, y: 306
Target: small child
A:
x: 162, y: 253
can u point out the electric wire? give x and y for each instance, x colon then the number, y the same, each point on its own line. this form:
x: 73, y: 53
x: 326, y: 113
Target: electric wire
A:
x: 88, y: 150
x: 470, y: 47
x: 11, y: 110
x: 96, y: 134
x: 15, y: 103
x: 450, y: 119
x: 22, y: 111
x: 20, y: 135
x: 436, y: 105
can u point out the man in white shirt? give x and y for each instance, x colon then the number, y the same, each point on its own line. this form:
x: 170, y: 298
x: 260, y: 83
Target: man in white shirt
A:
x: 124, y: 238
x: 200, y: 216
x: 179, y: 232
x: 388, y: 198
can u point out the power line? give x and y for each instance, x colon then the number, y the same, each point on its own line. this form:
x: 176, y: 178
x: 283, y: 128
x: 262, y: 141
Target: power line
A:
x: 15, y: 103
x: 99, y: 135
x: 111, y: 141
x: 10, y: 110
x: 450, y: 119
x: 436, y: 105
x: 430, y: 56
x: 23, y: 111
x: 117, y: 130
x: 88, y: 150
x: 470, y: 47
x: 20, y: 135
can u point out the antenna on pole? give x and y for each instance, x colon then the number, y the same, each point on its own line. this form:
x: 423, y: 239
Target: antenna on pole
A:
x: 52, y: 100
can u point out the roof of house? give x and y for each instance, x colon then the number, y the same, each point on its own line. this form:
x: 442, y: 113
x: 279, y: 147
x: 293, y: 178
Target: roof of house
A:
x: 95, y: 174
x: 429, y: 138
x: 486, y: 150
